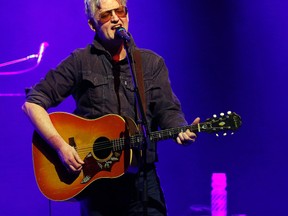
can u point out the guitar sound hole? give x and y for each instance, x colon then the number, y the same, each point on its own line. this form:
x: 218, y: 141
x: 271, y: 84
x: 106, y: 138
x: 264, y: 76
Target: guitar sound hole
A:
x: 102, y: 148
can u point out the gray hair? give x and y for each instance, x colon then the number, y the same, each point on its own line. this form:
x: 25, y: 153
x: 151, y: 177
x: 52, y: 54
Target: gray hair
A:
x: 91, y: 6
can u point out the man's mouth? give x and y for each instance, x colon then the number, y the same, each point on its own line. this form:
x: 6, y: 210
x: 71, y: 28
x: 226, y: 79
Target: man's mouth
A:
x: 115, y: 27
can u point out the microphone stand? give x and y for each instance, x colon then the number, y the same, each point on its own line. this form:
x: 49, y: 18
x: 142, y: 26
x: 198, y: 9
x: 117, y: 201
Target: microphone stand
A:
x: 144, y: 127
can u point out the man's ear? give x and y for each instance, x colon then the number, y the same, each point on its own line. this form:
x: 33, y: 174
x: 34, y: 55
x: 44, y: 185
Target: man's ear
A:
x: 92, y: 25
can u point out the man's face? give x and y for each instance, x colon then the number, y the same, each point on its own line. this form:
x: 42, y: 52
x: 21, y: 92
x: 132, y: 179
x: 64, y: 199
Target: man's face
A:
x: 110, y: 16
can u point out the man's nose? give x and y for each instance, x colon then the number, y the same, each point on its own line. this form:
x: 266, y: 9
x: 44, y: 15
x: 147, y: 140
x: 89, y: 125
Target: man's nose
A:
x: 114, y: 17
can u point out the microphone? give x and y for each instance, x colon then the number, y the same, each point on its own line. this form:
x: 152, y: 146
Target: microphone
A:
x: 41, y: 51
x: 122, y: 33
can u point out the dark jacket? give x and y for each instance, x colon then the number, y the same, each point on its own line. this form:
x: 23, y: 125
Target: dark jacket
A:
x: 101, y: 86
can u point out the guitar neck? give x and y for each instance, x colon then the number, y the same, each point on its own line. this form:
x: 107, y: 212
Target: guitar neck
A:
x: 173, y: 132
x: 136, y: 140
x: 231, y: 122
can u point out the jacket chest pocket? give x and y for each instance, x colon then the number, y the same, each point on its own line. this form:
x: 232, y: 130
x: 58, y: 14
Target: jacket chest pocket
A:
x: 96, y: 87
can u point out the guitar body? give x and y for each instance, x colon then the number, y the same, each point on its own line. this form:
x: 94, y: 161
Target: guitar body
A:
x: 91, y: 139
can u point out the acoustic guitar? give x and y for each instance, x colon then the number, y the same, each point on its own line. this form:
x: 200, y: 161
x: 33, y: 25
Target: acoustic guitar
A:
x: 106, y: 145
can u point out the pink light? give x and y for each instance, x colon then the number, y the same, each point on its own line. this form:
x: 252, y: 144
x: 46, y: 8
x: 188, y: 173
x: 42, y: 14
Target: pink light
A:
x: 41, y: 51
x: 219, y: 195
x: 39, y: 56
x: 19, y: 60
x: 219, y: 179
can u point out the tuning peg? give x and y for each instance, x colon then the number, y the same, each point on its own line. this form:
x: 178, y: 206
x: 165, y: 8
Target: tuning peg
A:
x: 214, y: 116
x: 224, y: 134
x: 229, y: 112
x: 222, y: 114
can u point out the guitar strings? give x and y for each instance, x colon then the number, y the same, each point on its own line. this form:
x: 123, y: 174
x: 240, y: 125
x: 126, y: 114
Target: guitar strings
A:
x: 119, y: 144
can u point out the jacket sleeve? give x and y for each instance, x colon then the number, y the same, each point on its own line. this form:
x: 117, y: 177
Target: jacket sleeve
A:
x: 55, y: 86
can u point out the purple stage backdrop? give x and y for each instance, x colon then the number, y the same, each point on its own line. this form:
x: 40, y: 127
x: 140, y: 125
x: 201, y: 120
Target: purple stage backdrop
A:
x: 222, y: 55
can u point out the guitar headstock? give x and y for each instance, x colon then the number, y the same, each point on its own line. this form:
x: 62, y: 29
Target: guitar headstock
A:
x: 225, y: 123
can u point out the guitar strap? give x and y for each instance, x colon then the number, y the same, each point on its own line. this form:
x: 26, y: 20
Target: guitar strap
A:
x: 136, y: 54
x: 141, y: 88
x: 139, y: 77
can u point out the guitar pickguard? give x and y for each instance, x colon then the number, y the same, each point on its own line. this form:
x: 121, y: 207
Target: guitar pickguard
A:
x: 92, y: 166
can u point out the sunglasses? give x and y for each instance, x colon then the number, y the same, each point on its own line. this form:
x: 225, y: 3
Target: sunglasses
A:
x: 106, y: 16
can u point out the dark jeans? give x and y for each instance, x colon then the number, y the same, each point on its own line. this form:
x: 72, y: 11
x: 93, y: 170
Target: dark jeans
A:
x: 123, y: 196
